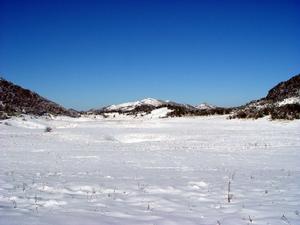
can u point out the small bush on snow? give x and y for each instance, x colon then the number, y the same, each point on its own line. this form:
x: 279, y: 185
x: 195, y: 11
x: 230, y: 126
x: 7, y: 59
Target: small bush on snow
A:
x: 48, y: 129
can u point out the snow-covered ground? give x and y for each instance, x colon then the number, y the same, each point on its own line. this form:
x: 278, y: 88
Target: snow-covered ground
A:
x: 149, y: 171
x: 154, y: 114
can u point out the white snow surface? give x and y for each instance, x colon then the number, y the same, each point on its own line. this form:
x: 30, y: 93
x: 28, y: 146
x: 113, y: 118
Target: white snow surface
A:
x: 154, y: 114
x: 159, y: 113
x: 287, y: 101
x: 132, y: 105
x: 149, y: 171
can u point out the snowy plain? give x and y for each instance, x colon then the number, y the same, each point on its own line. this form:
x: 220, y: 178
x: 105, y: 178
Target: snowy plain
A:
x: 149, y: 171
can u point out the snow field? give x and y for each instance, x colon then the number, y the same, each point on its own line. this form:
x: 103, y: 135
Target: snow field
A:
x: 149, y: 171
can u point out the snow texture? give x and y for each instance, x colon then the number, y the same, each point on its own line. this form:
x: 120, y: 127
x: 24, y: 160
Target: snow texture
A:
x: 287, y: 101
x: 202, y: 170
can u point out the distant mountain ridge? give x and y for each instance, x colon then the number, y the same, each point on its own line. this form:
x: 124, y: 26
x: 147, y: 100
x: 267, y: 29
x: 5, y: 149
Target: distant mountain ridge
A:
x: 146, y: 106
x: 281, y: 102
x: 15, y: 100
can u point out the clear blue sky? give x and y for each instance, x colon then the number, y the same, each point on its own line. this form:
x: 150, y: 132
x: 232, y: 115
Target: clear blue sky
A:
x: 85, y: 54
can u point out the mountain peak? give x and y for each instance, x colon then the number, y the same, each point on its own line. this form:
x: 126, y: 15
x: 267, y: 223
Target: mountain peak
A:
x: 205, y: 106
x: 128, y: 106
x: 152, y: 101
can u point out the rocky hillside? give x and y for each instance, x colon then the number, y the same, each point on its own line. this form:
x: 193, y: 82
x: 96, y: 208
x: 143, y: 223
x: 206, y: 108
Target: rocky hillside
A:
x: 285, y: 90
x: 281, y: 102
x: 15, y: 100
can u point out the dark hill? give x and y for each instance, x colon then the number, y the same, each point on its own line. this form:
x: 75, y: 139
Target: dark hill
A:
x: 281, y: 102
x: 15, y: 100
x: 286, y: 89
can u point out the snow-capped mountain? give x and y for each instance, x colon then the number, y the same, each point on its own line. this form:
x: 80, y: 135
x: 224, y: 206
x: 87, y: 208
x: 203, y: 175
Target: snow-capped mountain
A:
x: 150, y: 106
x: 147, y: 108
x: 128, y: 106
x: 204, y: 106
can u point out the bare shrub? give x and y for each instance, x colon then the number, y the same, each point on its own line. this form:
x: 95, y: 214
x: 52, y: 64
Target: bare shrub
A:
x: 48, y: 129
